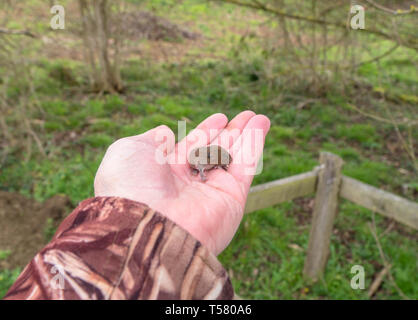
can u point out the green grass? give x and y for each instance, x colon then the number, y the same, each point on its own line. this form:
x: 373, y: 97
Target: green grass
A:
x: 4, y: 254
x: 267, y: 254
x: 7, y: 278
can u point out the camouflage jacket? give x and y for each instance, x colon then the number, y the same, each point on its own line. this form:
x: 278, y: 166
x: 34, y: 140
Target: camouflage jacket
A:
x: 115, y: 248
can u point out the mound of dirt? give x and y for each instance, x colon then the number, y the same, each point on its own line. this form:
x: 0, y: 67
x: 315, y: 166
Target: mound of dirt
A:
x: 145, y: 25
x: 23, y: 225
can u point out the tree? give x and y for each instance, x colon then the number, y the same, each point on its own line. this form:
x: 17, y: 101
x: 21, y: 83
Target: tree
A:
x: 101, y: 54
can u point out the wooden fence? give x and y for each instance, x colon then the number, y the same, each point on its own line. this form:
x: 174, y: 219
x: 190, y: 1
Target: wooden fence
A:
x: 329, y: 185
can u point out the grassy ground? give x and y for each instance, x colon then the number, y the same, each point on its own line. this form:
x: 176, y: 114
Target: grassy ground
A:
x: 266, y: 257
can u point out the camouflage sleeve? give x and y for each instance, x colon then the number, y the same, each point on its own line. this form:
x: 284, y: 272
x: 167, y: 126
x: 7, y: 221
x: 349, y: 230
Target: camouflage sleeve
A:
x: 115, y: 248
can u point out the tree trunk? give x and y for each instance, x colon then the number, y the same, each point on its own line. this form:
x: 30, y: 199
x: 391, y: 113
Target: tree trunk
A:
x: 104, y: 68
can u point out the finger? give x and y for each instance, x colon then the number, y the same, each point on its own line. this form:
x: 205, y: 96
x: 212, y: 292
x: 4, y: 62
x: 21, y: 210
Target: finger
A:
x: 233, y: 130
x: 248, y: 149
x: 202, y: 135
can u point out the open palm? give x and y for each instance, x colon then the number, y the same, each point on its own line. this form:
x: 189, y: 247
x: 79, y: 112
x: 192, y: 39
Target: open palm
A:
x: 211, y: 211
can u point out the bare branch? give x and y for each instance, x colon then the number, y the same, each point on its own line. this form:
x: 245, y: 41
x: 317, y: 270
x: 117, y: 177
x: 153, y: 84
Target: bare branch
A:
x: 386, y: 263
x: 261, y: 6
x: 17, y: 32
x: 391, y: 11
x: 375, y: 59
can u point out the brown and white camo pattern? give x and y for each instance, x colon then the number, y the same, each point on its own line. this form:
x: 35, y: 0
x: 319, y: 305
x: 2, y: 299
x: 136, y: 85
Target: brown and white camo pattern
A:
x: 114, y: 248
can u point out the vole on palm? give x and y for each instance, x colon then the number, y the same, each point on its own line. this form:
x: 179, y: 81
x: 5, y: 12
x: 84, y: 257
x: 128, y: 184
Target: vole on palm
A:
x: 207, y: 158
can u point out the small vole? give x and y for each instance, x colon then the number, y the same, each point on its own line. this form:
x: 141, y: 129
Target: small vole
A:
x: 207, y: 158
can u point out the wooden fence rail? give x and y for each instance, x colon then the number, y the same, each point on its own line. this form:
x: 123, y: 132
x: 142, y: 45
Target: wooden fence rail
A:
x: 328, y: 184
x: 278, y: 191
x: 383, y: 202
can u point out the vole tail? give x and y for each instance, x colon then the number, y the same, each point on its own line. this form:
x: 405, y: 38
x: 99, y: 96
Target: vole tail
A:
x: 202, y: 175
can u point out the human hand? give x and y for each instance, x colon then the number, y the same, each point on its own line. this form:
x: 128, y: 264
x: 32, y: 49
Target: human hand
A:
x: 211, y: 211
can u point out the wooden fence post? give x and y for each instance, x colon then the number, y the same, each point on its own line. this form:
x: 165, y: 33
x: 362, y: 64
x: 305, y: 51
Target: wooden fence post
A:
x: 325, y: 210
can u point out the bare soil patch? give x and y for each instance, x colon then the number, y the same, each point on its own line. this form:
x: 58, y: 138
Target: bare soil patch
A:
x: 145, y: 25
x: 23, y: 222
